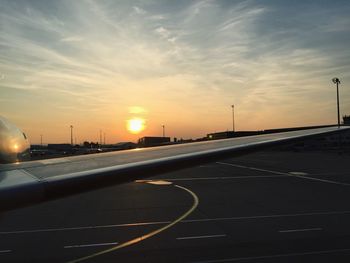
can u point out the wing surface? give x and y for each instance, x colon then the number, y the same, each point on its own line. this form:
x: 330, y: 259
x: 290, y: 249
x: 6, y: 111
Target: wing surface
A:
x: 36, y: 181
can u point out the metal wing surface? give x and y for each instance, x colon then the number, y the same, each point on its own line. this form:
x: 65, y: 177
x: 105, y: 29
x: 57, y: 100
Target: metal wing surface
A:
x: 36, y: 181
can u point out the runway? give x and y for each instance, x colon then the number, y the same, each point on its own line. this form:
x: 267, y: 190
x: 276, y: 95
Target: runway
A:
x: 269, y: 206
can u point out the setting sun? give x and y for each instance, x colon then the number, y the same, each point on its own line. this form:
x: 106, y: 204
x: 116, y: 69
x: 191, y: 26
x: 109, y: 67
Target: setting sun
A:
x: 136, y: 125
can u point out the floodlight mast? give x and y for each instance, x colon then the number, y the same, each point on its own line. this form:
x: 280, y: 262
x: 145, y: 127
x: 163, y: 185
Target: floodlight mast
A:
x: 337, y: 82
x: 71, y: 135
x: 233, y: 117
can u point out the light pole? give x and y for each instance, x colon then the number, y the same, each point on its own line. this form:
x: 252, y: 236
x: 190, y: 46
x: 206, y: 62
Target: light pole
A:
x: 41, y: 140
x: 337, y: 82
x: 233, y: 117
x: 71, y: 135
x: 100, y: 138
x: 163, y: 126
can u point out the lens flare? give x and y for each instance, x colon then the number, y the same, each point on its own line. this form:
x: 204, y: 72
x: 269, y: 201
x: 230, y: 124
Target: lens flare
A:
x: 135, y: 125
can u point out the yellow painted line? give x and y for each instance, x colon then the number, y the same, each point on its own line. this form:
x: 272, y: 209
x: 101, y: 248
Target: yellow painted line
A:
x: 159, y: 182
x: 151, y: 234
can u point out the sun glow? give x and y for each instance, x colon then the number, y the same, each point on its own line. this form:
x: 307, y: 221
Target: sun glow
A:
x: 136, y: 125
x: 15, y: 147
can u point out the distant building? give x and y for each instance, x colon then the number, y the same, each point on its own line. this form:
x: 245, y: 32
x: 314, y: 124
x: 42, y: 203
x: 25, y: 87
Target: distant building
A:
x: 153, y: 141
x: 124, y: 146
x: 220, y: 135
x: 231, y: 134
x: 346, y: 119
x: 62, y: 147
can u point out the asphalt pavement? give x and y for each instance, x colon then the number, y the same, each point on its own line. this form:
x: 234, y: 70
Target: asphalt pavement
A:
x: 272, y: 206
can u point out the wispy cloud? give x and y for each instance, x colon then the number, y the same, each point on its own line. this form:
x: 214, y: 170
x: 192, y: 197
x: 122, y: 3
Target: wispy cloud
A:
x: 137, y: 110
x: 139, y: 10
x: 72, y: 39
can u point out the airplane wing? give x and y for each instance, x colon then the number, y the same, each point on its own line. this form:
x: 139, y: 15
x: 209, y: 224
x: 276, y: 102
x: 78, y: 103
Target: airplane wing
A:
x: 32, y: 182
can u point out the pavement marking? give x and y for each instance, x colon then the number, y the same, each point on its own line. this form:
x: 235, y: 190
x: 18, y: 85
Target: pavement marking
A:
x: 283, y: 173
x: 167, y: 222
x: 83, y: 227
x: 301, y: 230
x: 298, y: 173
x: 252, y: 168
x: 265, y: 216
x: 91, y: 245
x: 153, y: 233
x: 5, y: 251
x: 159, y: 182
x: 275, y: 256
x: 200, y: 237
x: 54, y: 161
x: 321, y: 180
x: 224, y: 177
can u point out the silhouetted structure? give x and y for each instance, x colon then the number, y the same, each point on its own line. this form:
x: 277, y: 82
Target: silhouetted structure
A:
x: 71, y: 135
x: 337, y: 82
x: 230, y: 134
x: 346, y: 119
x: 60, y: 147
x: 122, y: 146
x: 153, y: 141
x: 233, y: 117
x: 87, y: 144
x: 163, y: 126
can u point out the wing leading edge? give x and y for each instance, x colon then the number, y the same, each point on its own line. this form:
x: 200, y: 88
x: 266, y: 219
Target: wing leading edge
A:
x: 37, y: 181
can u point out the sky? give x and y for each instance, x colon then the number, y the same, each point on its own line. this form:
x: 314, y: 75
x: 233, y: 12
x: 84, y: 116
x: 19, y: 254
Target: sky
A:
x: 182, y: 64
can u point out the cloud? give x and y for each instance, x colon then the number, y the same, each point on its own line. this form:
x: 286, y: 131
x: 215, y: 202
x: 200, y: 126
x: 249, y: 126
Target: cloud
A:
x: 175, y: 58
x: 137, y: 110
x: 139, y: 10
x: 72, y: 39
x: 162, y: 32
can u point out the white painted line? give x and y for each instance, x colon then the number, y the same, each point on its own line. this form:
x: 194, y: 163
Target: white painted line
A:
x: 83, y: 227
x: 265, y: 216
x: 321, y: 180
x: 298, y: 173
x: 275, y: 256
x: 5, y: 251
x: 252, y: 168
x: 300, y: 230
x: 92, y: 245
x: 224, y: 177
x: 53, y: 161
x: 200, y: 237
x: 167, y: 222
x: 289, y: 174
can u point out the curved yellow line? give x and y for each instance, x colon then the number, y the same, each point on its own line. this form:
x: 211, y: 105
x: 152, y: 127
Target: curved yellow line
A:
x: 153, y: 233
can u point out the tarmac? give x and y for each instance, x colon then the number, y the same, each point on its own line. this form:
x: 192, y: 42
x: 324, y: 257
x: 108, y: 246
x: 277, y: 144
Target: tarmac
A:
x: 271, y: 206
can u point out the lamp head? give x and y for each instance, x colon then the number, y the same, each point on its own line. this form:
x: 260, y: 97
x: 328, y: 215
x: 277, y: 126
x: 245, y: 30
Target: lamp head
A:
x: 336, y: 80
